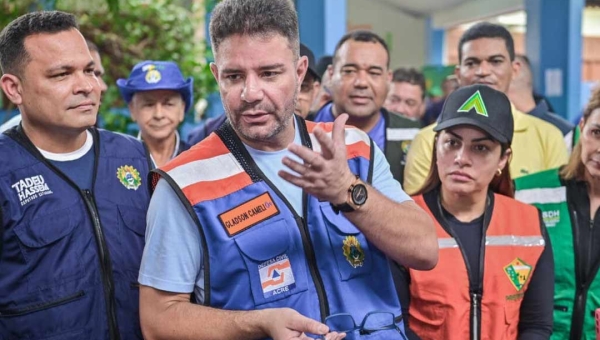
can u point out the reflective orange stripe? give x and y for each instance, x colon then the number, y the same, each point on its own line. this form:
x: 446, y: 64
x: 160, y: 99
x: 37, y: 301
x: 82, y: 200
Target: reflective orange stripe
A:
x: 210, y: 147
x: 205, y: 191
x: 358, y: 149
x: 208, y: 170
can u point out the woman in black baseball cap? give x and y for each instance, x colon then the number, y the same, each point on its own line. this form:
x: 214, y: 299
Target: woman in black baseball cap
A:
x: 494, y: 278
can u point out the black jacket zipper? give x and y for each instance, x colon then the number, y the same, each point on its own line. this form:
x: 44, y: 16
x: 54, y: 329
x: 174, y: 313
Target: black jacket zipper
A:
x: 579, y: 303
x: 583, y: 277
x: 105, y: 263
x: 582, y: 281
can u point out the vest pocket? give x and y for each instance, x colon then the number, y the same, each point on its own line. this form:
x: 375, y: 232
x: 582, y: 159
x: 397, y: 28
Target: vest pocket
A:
x: 132, y: 240
x: 40, y: 306
x: 50, y: 249
x: 561, y: 308
x: 45, y: 317
x: 350, y: 247
x: 511, y: 314
x: 275, y: 266
x: 134, y: 219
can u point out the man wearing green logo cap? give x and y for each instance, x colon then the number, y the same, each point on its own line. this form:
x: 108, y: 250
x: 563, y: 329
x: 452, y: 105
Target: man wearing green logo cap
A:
x: 486, y: 56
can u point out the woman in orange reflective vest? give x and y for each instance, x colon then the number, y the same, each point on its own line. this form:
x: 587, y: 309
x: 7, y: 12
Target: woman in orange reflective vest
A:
x: 494, y: 278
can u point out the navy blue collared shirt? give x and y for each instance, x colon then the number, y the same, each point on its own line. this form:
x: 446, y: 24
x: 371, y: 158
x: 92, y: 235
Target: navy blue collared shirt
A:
x: 542, y: 111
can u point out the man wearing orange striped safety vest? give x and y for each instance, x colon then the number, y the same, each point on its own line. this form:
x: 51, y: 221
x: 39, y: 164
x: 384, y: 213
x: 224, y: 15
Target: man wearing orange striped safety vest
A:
x: 276, y: 227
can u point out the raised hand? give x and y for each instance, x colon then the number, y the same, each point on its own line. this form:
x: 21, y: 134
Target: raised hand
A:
x: 325, y: 175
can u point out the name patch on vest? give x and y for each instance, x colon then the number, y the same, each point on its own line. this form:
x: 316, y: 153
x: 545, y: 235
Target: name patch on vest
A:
x: 551, y: 218
x: 30, y: 188
x: 276, y: 276
x: 248, y: 214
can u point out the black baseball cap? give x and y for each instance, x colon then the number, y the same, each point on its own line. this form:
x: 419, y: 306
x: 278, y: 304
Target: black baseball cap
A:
x: 305, y: 51
x: 480, y: 106
x: 323, y: 64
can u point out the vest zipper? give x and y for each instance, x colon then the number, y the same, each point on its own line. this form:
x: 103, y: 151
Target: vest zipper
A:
x: 589, y: 254
x: 581, y: 285
x: 475, y: 310
x: 307, y: 245
x: 105, y: 265
x: 312, y: 261
x: 582, y: 290
x: 475, y: 293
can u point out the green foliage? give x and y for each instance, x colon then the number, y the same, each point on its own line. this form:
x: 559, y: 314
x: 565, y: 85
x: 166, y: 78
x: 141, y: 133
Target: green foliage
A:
x: 11, y: 9
x: 145, y: 30
x: 131, y: 31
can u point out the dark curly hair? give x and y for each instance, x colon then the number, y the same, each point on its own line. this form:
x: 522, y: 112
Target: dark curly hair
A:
x: 254, y: 17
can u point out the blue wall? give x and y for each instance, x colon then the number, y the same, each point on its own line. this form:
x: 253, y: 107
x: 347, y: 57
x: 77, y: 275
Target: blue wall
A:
x: 322, y: 24
x: 435, y: 44
x: 554, y: 47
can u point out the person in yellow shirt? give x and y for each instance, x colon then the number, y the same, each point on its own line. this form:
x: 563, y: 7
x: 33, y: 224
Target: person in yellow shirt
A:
x: 486, y: 56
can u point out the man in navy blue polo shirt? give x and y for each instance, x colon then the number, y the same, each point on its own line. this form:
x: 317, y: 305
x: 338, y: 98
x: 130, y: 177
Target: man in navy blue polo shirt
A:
x: 520, y: 93
x: 360, y: 80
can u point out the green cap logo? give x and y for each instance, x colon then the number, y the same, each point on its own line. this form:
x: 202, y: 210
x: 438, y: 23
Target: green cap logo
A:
x: 476, y: 102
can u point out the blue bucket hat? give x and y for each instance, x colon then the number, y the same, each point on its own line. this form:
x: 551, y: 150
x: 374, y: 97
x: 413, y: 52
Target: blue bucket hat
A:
x: 157, y: 75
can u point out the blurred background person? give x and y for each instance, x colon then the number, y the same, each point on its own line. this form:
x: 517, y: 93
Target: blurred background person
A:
x: 323, y: 95
x: 359, y: 84
x: 407, y: 94
x: 158, y: 97
x: 486, y: 55
x: 520, y: 93
x: 569, y: 198
x: 449, y: 85
x: 310, y: 84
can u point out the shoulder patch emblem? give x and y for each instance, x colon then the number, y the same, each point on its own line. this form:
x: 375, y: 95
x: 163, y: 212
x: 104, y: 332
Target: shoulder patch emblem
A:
x: 353, y: 251
x: 518, y: 273
x: 129, y: 177
x: 276, y: 276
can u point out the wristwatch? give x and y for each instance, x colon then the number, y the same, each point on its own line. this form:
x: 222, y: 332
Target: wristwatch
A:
x: 357, y: 196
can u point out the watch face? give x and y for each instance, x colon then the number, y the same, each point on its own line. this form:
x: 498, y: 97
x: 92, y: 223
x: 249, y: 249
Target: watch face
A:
x: 359, y: 194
